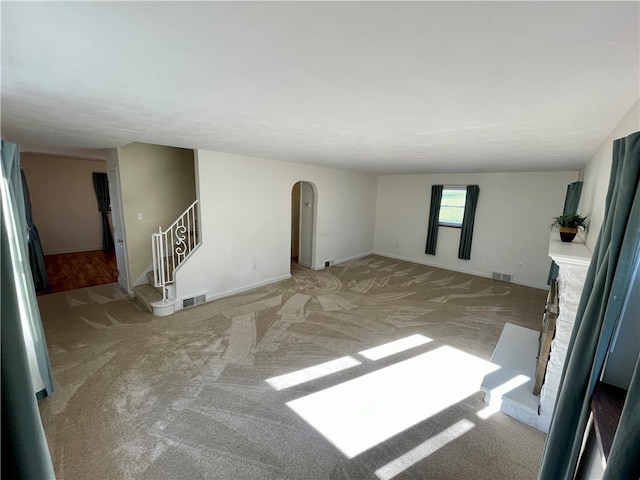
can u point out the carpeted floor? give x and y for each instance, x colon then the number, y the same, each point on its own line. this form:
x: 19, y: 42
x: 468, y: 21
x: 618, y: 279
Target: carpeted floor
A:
x: 285, y: 382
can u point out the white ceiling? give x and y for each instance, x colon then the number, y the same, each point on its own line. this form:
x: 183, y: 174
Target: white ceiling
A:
x: 384, y: 87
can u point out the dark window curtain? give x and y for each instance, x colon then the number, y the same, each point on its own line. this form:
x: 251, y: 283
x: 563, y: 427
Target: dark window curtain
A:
x: 434, y: 215
x: 572, y: 199
x: 101, y: 186
x: 23, y: 282
x: 606, y: 287
x: 24, y: 448
x: 571, y: 202
x: 466, y: 235
x: 36, y: 255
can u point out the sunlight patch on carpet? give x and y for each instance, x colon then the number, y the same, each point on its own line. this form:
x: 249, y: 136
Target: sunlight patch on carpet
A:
x: 312, y: 373
x: 361, y: 413
x: 423, y: 450
x: 397, y: 346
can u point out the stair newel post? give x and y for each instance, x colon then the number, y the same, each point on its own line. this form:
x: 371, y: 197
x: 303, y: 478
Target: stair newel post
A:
x: 162, y: 269
x: 170, y: 248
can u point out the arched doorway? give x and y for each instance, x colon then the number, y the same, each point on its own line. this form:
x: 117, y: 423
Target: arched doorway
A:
x: 303, y: 215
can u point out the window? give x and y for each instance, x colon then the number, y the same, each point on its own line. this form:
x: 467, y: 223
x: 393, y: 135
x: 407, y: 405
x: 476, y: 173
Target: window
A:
x: 452, y: 206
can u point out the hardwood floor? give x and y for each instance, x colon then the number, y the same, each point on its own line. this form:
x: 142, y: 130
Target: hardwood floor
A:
x: 69, y: 271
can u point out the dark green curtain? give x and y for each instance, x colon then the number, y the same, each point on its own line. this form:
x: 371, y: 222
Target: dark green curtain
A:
x: 101, y: 186
x: 36, y: 255
x: 571, y: 202
x: 23, y: 280
x: 24, y: 448
x: 606, y: 287
x: 434, y: 217
x: 466, y: 235
x: 572, y: 199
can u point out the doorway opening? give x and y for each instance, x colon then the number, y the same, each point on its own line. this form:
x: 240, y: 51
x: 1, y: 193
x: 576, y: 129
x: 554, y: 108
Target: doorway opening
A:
x: 303, y: 223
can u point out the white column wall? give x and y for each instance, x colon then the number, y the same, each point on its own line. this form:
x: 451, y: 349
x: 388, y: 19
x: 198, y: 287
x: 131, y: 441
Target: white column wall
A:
x: 245, y: 213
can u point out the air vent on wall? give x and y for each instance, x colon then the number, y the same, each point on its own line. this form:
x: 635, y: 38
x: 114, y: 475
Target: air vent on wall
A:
x: 503, y: 277
x: 190, y: 302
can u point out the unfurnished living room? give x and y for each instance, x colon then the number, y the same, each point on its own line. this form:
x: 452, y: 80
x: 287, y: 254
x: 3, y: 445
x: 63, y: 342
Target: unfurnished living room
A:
x: 335, y: 240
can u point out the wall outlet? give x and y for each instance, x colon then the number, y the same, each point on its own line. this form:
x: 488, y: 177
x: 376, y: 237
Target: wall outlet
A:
x: 140, y: 216
x: 327, y: 263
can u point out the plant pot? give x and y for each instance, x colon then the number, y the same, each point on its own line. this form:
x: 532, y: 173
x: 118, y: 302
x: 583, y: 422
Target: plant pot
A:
x: 568, y: 234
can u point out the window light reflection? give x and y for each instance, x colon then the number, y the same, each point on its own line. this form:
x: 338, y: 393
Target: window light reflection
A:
x: 396, y: 346
x: 361, y: 413
x: 423, y: 450
x: 312, y: 373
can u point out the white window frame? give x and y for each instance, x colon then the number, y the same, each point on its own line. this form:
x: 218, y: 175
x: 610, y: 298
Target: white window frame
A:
x: 452, y: 224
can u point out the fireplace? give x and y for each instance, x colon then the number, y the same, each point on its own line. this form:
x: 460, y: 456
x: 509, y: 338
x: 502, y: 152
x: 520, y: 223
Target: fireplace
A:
x: 537, y: 358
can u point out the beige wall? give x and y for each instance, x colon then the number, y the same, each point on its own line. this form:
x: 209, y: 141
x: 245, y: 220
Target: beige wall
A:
x: 246, y: 221
x: 65, y: 209
x: 159, y: 183
x: 511, y: 231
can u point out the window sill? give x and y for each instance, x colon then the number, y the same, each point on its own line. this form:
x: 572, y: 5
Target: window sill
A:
x: 606, y: 404
x: 449, y: 225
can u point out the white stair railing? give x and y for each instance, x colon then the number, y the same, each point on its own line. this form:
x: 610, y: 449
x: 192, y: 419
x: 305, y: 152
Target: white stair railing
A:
x: 171, y: 247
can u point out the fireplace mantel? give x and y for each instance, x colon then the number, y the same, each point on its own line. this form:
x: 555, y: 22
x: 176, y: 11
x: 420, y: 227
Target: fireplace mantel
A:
x: 574, y: 253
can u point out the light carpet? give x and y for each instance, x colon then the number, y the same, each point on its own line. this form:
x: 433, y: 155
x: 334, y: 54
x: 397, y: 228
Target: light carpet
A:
x: 365, y: 370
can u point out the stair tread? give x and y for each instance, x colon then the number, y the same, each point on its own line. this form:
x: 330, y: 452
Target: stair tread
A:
x: 150, y: 279
x: 147, y: 294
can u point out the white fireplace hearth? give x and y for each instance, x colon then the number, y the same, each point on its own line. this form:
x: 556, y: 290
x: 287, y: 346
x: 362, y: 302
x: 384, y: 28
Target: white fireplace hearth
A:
x: 511, y: 388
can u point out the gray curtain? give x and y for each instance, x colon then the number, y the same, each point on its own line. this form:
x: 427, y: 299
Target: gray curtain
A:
x: 606, y: 287
x: 36, y: 255
x: 466, y: 235
x: 101, y: 186
x: 434, y: 216
x: 24, y: 448
x: 571, y: 202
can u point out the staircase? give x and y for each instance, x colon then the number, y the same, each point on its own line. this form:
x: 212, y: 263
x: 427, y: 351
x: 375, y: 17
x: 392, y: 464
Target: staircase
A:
x: 170, y: 248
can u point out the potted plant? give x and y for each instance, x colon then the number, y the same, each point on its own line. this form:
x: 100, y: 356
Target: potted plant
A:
x: 569, y: 225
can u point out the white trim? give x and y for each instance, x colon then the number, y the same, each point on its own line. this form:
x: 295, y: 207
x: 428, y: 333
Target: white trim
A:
x: 74, y: 250
x: 569, y: 253
x: 460, y: 270
x: 246, y: 288
x: 343, y: 260
x: 463, y: 207
x: 142, y: 279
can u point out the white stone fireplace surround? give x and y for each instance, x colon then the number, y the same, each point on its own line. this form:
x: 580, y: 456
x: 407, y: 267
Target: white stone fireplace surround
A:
x: 513, y: 351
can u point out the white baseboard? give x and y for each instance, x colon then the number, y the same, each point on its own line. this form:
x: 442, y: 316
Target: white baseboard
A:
x: 246, y: 288
x: 73, y: 250
x: 342, y: 260
x: 459, y: 270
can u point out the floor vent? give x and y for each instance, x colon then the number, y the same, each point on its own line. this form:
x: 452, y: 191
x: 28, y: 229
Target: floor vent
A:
x: 503, y: 277
x: 190, y: 302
